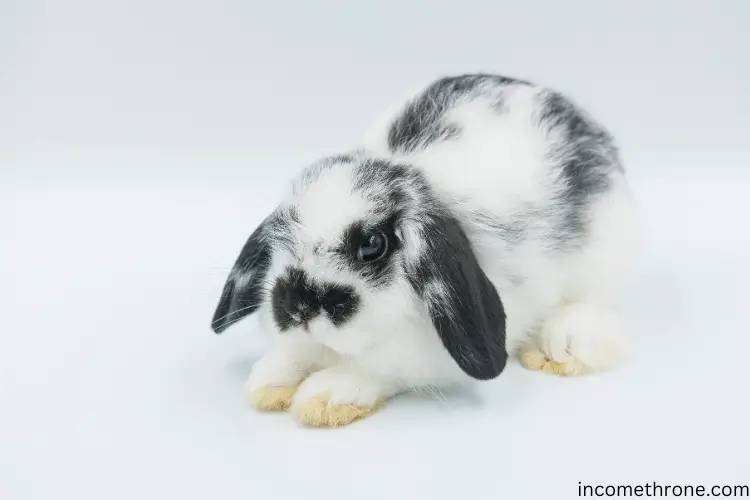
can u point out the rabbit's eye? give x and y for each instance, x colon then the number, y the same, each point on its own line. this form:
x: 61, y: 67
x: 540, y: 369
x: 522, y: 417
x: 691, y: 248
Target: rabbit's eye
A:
x: 373, y: 246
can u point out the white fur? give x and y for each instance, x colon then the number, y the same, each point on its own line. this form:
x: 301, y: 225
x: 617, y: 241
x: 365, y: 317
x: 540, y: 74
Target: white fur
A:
x: 565, y: 304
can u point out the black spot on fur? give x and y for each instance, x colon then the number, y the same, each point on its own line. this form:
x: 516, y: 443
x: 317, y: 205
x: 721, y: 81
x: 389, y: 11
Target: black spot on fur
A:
x: 296, y: 300
x: 423, y: 122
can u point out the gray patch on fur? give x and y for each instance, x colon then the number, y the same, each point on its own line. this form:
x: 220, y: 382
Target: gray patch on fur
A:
x: 584, y: 151
x: 512, y: 231
x: 280, y: 227
x: 394, y: 187
x: 585, y: 154
x: 423, y: 121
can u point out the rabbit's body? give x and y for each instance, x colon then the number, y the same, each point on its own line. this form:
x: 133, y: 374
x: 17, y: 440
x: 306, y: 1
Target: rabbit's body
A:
x: 537, y: 184
x: 508, y: 227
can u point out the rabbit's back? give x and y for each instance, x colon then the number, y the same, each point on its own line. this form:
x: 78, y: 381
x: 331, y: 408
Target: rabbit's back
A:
x: 536, y: 182
x: 512, y: 156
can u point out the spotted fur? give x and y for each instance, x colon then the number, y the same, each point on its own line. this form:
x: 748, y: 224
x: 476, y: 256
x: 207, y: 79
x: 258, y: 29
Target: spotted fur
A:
x: 503, y: 204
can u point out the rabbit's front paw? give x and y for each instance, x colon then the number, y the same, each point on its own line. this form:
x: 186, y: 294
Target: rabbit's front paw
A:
x: 272, y: 383
x: 275, y: 377
x: 272, y: 398
x: 335, y: 397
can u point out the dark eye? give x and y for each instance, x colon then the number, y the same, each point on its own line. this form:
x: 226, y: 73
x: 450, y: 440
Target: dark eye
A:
x: 374, y: 245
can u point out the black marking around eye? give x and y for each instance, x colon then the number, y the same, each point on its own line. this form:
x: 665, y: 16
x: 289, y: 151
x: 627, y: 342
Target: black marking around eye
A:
x: 382, y: 270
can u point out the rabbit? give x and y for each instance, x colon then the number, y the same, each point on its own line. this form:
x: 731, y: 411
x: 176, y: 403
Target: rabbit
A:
x: 480, y: 219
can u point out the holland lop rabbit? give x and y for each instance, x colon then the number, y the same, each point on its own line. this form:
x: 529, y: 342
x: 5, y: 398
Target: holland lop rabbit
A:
x: 481, y: 217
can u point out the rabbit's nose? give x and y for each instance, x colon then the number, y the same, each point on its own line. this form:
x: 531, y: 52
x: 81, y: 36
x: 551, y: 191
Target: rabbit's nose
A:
x: 302, y: 313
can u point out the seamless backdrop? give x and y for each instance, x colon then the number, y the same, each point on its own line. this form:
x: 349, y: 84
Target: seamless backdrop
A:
x: 142, y: 141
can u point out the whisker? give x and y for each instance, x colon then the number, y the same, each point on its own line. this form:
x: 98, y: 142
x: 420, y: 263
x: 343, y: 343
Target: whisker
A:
x: 441, y: 396
x: 230, y: 323
x: 437, y: 394
x: 239, y: 310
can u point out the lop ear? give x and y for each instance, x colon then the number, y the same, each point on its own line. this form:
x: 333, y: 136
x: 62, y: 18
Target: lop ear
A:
x: 463, y: 304
x: 243, y: 289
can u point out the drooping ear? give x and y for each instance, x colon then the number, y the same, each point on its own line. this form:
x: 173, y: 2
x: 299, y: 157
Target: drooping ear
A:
x: 243, y: 289
x: 463, y: 304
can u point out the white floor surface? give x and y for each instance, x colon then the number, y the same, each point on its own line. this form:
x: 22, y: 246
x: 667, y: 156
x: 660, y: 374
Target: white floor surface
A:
x: 114, y: 387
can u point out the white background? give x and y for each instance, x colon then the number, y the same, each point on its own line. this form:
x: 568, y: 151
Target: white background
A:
x: 142, y: 141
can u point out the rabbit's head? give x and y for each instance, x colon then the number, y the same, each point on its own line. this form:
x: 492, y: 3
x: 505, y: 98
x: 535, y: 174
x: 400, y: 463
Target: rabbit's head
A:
x: 362, y: 247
